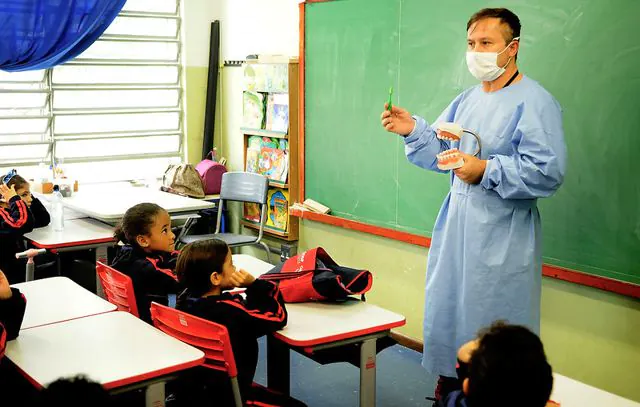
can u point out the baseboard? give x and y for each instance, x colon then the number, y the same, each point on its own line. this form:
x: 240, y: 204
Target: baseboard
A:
x: 407, y: 341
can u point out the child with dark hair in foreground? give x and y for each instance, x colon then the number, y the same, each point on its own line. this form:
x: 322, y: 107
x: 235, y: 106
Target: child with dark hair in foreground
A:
x: 504, y: 367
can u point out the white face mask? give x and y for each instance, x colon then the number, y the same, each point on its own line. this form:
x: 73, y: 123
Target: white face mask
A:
x: 484, y: 65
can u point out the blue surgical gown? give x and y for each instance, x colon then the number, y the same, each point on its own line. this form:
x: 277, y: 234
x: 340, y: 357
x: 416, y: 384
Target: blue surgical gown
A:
x: 485, y: 260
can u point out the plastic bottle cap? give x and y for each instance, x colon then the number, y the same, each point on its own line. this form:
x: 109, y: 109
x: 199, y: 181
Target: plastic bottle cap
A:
x: 56, y: 188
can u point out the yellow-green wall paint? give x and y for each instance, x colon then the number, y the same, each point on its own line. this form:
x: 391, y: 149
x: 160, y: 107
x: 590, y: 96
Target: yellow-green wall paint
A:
x: 589, y: 335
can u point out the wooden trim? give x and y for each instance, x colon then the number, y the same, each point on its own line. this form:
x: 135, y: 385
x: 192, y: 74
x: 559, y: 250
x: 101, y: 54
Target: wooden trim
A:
x: 602, y: 283
x: 301, y: 104
x: 407, y: 341
x: 363, y: 227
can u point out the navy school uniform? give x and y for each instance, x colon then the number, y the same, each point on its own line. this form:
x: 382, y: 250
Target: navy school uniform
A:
x: 15, y: 221
x: 11, y: 314
x: 152, y: 275
x: 262, y: 312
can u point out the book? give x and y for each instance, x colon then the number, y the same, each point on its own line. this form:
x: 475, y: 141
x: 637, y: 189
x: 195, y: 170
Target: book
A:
x: 274, y: 163
x: 252, y: 212
x: 278, y: 209
x: 252, y: 160
x: 253, y: 110
x: 277, y: 115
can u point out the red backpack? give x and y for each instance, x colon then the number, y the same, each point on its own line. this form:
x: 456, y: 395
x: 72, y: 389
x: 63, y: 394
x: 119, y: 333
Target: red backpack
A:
x: 314, y: 276
x: 211, y: 173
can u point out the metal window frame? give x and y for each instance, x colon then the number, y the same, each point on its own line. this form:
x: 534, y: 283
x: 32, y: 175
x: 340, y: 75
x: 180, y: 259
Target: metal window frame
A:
x: 48, y: 87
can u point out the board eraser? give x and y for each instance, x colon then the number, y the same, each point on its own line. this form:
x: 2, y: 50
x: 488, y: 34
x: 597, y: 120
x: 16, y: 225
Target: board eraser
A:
x: 314, y: 206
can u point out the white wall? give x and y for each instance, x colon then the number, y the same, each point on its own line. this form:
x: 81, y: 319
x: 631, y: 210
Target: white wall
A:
x: 259, y: 27
x: 197, y: 16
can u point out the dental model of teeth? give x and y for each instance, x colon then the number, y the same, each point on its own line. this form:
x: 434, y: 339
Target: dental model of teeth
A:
x: 449, y: 131
x: 450, y: 159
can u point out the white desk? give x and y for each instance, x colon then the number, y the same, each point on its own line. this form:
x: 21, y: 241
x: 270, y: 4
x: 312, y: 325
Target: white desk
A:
x: 250, y: 264
x: 108, y: 202
x: 58, y: 299
x: 317, y: 326
x: 115, y: 349
x: 572, y: 393
x: 78, y: 234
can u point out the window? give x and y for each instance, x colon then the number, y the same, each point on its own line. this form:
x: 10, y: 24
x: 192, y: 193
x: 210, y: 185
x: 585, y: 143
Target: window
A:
x: 113, y: 113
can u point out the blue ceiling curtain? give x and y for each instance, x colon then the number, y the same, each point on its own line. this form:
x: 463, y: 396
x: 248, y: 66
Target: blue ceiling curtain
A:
x: 39, y: 34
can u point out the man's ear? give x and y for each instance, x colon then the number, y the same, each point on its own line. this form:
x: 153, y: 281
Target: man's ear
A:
x: 216, y: 279
x: 465, y: 386
x: 142, y: 241
x: 514, y: 47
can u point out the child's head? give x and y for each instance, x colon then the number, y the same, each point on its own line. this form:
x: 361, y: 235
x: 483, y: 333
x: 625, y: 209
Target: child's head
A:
x: 204, y: 267
x: 22, y: 187
x: 76, y: 391
x: 147, y: 226
x: 508, y: 367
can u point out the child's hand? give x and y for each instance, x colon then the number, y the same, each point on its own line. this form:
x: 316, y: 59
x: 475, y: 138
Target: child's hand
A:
x: 242, y: 279
x: 5, y: 290
x: 7, y: 193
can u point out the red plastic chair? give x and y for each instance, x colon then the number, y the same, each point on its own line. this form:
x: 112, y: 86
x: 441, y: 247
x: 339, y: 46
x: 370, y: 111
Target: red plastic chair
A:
x: 209, y: 337
x: 118, y: 288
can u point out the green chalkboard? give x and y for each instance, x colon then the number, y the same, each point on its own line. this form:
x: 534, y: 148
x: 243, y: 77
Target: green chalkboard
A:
x: 584, y: 52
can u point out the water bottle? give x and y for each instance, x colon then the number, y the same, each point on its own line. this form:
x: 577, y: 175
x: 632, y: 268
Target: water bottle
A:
x: 57, y: 210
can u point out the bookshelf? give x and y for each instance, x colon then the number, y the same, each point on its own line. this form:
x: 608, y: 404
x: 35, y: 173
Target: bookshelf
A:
x: 270, y: 140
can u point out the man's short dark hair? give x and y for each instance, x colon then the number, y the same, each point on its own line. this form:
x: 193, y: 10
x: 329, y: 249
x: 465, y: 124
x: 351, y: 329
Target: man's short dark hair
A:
x: 506, y: 16
x: 509, y: 368
x: 74, y: 392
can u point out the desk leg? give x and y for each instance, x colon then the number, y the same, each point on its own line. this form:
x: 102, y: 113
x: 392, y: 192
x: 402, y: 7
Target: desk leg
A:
x: 368, y: 373
x: 154, y: 395
x: 101, y: 256
x: 278, y: 366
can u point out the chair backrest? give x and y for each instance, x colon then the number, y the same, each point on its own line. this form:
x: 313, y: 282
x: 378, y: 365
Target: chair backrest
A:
x: 209, y: 337
x: 244, y: 187
x: 118, y: 288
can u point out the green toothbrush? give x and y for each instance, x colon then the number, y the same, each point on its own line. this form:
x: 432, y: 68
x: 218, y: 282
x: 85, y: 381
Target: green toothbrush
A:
x: 390, y: 95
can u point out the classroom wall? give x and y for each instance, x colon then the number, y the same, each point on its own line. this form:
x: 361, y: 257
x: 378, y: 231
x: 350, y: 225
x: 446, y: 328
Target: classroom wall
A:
x: 589, y: 335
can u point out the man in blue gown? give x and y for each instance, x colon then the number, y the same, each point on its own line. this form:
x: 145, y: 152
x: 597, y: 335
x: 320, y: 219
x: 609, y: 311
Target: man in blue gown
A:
x: 485, y: 260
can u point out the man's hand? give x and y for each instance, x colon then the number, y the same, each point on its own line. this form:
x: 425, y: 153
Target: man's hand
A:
x: 397, y: 120
x: 7, y: 193
x: 5, y: 290
x: 241, y: 278
x: 472, y: 170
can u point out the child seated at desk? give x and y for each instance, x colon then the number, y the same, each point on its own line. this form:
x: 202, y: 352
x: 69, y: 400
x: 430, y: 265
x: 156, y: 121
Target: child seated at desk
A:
x: 148, y: 256
x: 505, y: 366
x: 20, y: 212
x: 205, y: 268
x: 12, y: 307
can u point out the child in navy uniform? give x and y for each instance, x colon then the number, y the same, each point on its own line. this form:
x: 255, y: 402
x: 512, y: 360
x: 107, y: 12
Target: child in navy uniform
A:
x: 12, y: 307
x: 20, y: 212
x: 506, y: 366
x: 148, y: 256
x: 205, y: 269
